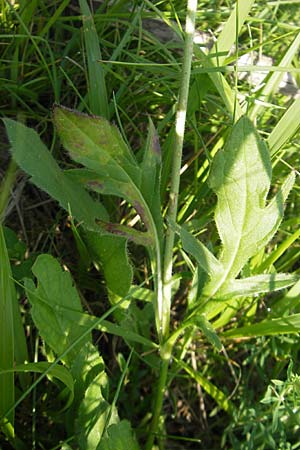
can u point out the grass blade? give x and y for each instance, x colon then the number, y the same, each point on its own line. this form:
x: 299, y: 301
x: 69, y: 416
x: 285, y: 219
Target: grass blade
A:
x: 96, y: 80
x: 7, y: 298
x: 286, y: 128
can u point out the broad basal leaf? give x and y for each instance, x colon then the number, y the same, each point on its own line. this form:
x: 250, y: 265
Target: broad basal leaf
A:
x: 241, y: 178
x: 53, y: 301
x: 35, y: 159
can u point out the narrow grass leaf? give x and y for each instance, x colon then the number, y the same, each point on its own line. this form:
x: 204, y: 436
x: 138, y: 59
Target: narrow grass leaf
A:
x: 227, y: 94
x: 285, y: 128
x: 230, y: 31
x: 98, y: 100
x: 7, y: 299
x: 219, y: 396
x: 273, y: 82
x: 282, y: 325
x: 47, y: 175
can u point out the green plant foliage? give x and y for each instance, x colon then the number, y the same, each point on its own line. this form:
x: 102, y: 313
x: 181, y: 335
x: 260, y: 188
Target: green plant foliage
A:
x: 112, y: 254
x: 119, y: 437
x: 94, y: 414
x: 7, y: 352
x: 47, y: 175
x: 241, y: 177
x: 57, y: 313
x: 288, y: 324
x: 58, y: 371
x: 55, y: 289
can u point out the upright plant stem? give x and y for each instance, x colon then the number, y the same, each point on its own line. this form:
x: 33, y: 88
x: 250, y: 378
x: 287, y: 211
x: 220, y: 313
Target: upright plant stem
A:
x: 177, y: 156
x: 165, y: 350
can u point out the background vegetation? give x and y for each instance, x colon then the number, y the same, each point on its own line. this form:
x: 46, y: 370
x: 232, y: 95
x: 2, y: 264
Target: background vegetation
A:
x: 104, y: 58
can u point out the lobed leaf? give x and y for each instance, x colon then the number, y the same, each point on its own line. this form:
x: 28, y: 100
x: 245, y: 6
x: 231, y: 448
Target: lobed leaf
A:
x: 241, y: 178
x: 93, y: 414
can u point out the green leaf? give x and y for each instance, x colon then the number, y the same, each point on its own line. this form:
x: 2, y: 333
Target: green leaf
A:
x: 50, y: 301
x: 282, y: 325
x: 208, y: 331
x: 93, y: 142
x: 112, y: 254
x: 96, y: 81
x: 205, y: 259
x: 47, y: 175
x: 241, y: 178
x: 219, y: 396
x: 151, y: 176
x: 119, y: 437
x: 285, y: 128
x: 256, y: 285
x: 57, y: 312
x: 94, y: 414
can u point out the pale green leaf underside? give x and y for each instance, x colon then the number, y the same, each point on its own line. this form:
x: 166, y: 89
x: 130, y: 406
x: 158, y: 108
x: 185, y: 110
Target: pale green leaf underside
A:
x: 256, y: 285
x: 205, y: 259
x: 241, y: 178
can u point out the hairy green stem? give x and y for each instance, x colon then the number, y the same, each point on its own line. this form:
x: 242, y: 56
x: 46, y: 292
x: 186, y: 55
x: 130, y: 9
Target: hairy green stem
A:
x: 179, y: 136
x: 164, y: 313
